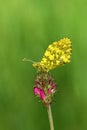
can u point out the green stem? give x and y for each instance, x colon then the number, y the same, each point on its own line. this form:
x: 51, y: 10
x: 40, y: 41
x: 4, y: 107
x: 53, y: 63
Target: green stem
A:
x: 50, y: 117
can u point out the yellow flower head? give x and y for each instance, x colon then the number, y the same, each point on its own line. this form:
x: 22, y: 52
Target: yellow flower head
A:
x: 58, y: 53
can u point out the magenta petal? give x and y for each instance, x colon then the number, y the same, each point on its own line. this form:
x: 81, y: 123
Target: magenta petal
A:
x: 42, y: 95
x: 37, y: 91
x: 54, y: 86
x: 53, y: 89
x: 49, y: 91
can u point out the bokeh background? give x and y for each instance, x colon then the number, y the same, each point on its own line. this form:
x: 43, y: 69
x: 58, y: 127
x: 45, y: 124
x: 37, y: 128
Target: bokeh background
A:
x: 27, y: 27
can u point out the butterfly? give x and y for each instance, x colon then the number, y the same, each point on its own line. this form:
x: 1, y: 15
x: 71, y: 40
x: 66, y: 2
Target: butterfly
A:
x: 57, y: 54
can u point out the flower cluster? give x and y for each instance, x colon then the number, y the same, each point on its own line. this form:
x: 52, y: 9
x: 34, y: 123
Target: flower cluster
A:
x: 44, y: 87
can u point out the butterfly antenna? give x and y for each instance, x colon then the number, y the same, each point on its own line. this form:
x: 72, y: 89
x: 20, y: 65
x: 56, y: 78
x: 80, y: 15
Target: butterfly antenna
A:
x: 25, y: 59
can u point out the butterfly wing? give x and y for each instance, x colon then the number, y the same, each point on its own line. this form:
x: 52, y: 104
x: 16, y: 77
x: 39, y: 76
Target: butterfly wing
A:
x: 58, y: 53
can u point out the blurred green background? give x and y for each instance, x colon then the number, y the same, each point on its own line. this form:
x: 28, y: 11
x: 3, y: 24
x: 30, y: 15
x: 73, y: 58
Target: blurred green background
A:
x: 27, y: 27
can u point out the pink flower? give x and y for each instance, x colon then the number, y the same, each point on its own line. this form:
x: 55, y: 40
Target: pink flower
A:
x: 44, y: 87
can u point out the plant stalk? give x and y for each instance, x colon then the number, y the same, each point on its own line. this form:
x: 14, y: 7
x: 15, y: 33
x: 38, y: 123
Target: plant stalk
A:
x: 50, y: 117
